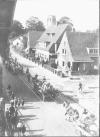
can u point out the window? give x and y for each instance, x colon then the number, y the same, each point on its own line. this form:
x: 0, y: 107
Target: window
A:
x: 64, y: 42
x: 63, y: 63
x: 93, y: 51
x: 48, y: 34
x: 53, y: 34
x: 62, y: 50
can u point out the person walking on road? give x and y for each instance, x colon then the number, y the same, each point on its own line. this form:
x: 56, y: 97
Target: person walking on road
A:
x: 80, y: 87
x: 23, y: 129
x: 27, y: 70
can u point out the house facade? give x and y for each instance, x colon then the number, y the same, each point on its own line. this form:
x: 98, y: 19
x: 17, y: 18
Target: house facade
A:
x: 74, y: 52
x: 77, y: 52
x: 64, y: 56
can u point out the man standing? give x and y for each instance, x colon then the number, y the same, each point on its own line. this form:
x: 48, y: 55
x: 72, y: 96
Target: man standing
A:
x: 80, y: 87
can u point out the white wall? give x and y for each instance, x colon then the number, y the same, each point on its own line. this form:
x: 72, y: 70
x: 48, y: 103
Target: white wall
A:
x: 42, y: 53
x: 64, y: 56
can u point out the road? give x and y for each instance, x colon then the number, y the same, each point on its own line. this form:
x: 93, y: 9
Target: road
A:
x: 47, y: 118
x: 42, y: 118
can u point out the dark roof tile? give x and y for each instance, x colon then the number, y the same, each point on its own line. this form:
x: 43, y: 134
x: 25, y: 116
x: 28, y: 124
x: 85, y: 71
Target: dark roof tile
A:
x: 79, y: 42
x: 33, y: 37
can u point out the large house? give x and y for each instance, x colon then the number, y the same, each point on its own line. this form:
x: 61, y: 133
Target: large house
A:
x: 75, y: 51
x: 71, y: 51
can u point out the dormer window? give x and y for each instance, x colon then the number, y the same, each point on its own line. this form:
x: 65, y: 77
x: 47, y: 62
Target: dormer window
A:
x: 53, y: 34
x: 48, y: 34
x: 93, y: 51
x: 63, y: 51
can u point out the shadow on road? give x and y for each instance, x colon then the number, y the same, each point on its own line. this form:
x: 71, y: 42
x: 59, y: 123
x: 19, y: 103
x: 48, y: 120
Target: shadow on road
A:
x: 36, y: 130
x: 24, y: 116
x: 40, y: 135
x: 30, y: 107
x: 28, y: 117
x: 61, y: 98
x: 34, y: 133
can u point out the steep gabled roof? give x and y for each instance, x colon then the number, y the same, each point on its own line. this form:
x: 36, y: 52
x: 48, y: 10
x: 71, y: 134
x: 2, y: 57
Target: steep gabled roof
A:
x: 33, y: 37
x: 57, y: 31
x: 79, y: 42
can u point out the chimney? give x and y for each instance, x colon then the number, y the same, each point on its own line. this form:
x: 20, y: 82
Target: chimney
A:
x: 55, y: 47
x: 51, y: 21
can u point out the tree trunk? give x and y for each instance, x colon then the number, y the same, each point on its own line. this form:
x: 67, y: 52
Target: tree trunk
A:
x: 7, y: 8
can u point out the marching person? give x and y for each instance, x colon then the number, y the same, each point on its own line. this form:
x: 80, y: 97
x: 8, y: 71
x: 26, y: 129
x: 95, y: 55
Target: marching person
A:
x: 12, y: 95
x: 11, y: 109
x: 22, y: 102
x: 27, y: 70
x: 28, y: 77
x: 7, y: 116
x: 23, y: 129
x: 9, y: 90
x: 15, y: 101
x: 12, y: 102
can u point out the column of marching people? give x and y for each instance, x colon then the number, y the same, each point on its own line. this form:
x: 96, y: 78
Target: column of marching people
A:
x: 14, y: 123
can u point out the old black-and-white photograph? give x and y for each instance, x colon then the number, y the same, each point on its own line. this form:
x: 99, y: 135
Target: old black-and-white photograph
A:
x: 49, y: 68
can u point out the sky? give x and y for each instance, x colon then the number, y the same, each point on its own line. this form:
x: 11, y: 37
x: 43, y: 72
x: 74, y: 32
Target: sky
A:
x: 83, y: 13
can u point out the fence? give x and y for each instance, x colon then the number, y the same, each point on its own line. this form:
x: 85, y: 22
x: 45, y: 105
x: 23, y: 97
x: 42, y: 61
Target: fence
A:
x: 46, y: 66
x: 58, y: 73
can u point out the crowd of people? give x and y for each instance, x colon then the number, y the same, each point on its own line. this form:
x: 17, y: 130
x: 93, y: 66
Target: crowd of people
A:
x: 84, y: 119
x: 12, y: 115
x: 38, y: 85
x: 41, y: 87
x: 71, y: 113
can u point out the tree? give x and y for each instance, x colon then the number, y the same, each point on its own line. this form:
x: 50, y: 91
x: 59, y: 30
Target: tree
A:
x: 66, y: 20
x: 16, y: 29
x: 33, y: 23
